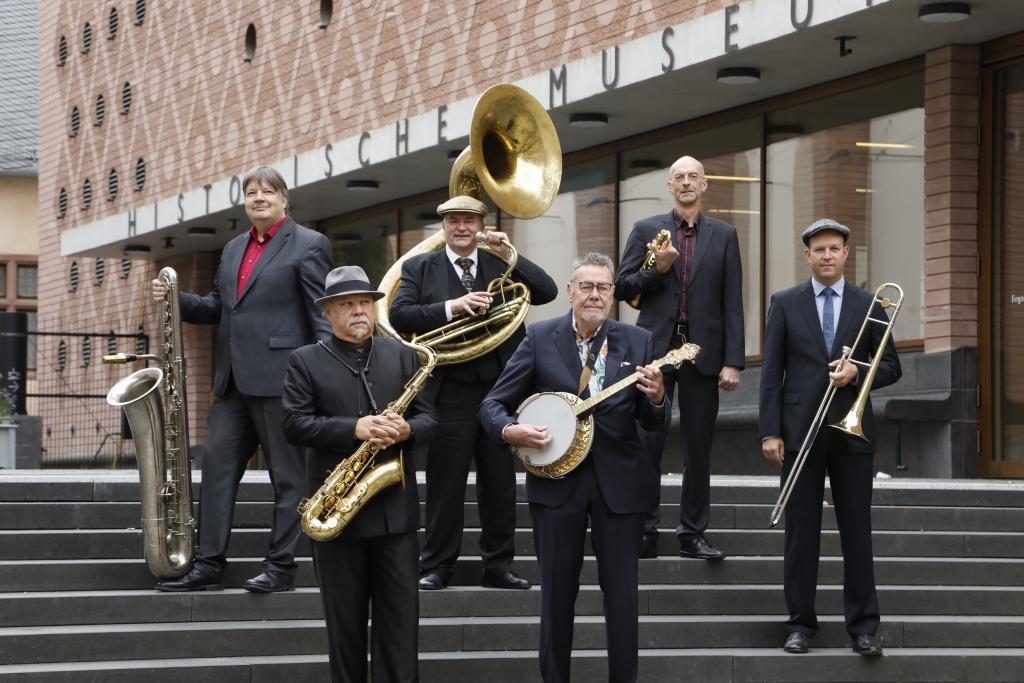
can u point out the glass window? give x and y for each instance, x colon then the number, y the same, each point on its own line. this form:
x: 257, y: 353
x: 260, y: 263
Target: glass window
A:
x: 856, y: 157
x: 27, y: 282
x: 368, y: 242
x: 731, y: 155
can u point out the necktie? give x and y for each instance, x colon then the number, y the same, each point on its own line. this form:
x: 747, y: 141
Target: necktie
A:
x: 467, y: 278
x: 827, y: 315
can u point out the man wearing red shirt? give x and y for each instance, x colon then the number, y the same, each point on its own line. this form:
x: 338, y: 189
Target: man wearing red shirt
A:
x: 262, y: 300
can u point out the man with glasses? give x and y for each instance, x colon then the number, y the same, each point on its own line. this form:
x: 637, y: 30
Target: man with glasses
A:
x: 436, y: 287
x: 693, y: 294
x: 581, y: 353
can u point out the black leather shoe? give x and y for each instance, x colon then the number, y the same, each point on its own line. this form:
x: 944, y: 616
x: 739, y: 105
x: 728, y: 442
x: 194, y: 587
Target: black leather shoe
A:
x: 193, y: 580
x: 270, y: 581
x: 432, y: 581
x: 866, y: 645
x: 699, y: 548
x: 797, y: 643
x: 504, y: 580
x: 649, y: 547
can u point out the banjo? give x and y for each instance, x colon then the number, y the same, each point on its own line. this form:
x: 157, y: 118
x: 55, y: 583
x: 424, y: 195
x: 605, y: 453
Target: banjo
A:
x: 570, y: 420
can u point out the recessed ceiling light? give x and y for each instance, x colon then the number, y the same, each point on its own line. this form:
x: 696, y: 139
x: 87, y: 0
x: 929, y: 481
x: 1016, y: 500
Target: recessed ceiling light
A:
x: 199, y: 231
x: 738, y: 75
x: 137, y: 249
x: 362, y: 185
x: 588, y: 120
x: 645, y: 164
x: 944, y: 12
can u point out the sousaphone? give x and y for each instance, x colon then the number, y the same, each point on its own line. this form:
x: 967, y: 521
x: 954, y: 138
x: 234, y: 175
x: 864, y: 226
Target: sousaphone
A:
x: 514, y: 158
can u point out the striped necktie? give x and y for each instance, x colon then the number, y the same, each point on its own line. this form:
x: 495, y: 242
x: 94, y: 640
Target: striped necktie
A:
x: 467, y: 279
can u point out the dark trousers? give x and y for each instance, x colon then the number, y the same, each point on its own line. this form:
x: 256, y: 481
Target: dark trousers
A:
x: 559, y: 534
x: 354, y: 573
x: 850, y: 476
x: 698, y: 408
x: 458, y: 441
x: 236, y: 425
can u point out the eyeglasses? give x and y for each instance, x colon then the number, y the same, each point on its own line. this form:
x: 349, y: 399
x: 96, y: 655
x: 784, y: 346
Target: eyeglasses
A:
x: 586, y: 287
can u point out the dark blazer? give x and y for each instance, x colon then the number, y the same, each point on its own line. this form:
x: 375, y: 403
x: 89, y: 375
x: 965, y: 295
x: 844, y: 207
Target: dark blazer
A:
x: 322, y: 401
x: 275, y: 314
x: 418, y: 305
x: 794, y: 373
x: 714, y: 297
x: 547, y: 360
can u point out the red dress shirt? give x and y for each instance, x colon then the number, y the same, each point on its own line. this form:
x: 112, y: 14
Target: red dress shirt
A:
x: 253, y: 252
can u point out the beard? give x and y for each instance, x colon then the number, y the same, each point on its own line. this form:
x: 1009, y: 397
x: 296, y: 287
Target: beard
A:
x: 357, y: 331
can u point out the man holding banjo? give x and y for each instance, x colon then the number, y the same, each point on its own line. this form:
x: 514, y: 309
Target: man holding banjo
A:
x: 613, y: 486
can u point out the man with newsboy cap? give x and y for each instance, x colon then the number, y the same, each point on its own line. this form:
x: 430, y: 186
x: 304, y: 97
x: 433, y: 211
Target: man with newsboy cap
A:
x: 336, y: 394
x: 808, y: 325
x: 435, y: 288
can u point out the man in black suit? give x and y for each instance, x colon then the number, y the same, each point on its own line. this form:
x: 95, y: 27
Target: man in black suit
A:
x: 613, y: 486
x: 435, y: 288
x: 693, y: 294
x: 334, y: 395
x: 262, y: 299
x: 808, y: 325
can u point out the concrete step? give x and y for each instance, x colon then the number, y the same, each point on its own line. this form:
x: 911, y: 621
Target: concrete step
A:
x: 725, y: 665
x: 465, y: 602
x: 57, y: 544
x: 45, y: 575
x: 257, y: 514
x: 33, y: 645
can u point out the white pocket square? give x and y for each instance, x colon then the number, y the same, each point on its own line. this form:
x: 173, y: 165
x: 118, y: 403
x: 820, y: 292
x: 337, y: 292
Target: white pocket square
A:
x: 624, y: 363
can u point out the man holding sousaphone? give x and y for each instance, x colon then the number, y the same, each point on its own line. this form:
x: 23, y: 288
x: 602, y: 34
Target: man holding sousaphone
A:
x: 804, y: 366
x: 586, y: 354
x: 436, y: 288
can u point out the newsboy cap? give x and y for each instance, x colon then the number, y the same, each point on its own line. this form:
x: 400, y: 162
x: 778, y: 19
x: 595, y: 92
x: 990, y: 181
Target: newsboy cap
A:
x: 462, y: 203
x: 824, y: 224
x: 346, y: 280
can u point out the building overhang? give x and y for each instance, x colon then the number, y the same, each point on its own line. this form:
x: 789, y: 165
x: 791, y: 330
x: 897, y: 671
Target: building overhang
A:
x: 656, y: 80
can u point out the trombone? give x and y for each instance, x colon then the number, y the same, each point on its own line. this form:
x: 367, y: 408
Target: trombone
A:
x: 852, y: 423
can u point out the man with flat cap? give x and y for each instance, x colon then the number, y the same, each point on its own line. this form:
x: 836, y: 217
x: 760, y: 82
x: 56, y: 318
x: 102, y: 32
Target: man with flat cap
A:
x: 435, y: 288
x: 335, y: 396
x: 808, y: 325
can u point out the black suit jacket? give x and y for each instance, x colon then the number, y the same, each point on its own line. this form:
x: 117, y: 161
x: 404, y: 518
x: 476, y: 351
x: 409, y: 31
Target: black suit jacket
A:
x: 418, y: 305
x: 794, y: 372
x: 275, y: 313
x: 322, y: 402
x: 547, y: 360
x: 714, y: 296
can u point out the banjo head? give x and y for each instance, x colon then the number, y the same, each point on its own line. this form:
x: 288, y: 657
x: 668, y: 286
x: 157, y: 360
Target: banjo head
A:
x: 571, y: 437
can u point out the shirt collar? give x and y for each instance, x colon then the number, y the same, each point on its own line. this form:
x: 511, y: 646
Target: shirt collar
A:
x: 452, y: 256
x: 269, y: 233
x: 579, y: 337
x: 679, y: 220
x: 837, y: 287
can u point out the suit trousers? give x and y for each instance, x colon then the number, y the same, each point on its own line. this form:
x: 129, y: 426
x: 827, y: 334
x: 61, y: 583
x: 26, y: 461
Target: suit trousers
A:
x: 236, y: 425
x: 559, y: 534
x: 698, y: 409
x: 459, y: 441
x: 850, y: 476
x: 355, y: 573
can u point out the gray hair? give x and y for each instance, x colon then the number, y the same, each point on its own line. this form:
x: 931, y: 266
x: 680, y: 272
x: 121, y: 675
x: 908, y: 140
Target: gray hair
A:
x: 592, y: 258
x: 266, y: 175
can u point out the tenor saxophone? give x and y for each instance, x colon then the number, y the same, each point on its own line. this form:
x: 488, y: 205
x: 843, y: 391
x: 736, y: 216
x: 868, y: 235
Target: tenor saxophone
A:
x: 652, y: 247
x: 161, y: 446
x: 357, y: 479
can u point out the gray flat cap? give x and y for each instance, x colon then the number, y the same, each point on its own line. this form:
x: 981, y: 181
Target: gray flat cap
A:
x: 824, y: 224
x: 462, y: 203
x: 346, y: 280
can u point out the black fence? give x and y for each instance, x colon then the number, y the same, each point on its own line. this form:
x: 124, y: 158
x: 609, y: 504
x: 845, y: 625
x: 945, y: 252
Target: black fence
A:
x: 80, y: 430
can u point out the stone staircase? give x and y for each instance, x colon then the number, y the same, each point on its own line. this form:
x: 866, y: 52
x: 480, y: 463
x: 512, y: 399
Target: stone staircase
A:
x: 76, y: 600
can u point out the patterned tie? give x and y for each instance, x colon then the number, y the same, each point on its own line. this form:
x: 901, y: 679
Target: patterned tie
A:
x: 827, y: 324
x: 467, y: 279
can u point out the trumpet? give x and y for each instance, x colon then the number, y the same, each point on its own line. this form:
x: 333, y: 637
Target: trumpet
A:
x: 653, y: 247
x: 851, y: 424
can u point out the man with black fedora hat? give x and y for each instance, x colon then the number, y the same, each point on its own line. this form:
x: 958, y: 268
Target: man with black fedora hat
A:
x: 807, y: 327
x: 434, y: 288
x: 335, y: 392
x: 262, y: 303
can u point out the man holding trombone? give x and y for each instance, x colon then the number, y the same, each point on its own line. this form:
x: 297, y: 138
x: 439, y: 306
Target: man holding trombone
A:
x: 804, y: 367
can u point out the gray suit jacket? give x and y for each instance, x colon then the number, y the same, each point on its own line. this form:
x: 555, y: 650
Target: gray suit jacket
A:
x: 275, y: 313
x: 715, y: 293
